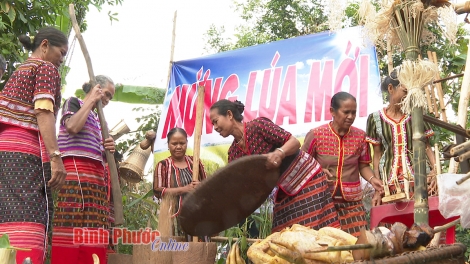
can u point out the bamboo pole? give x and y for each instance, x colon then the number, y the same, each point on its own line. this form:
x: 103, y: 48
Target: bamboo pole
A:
x: 413, y: 31
x: 197, y: 135
x: 448, y: 78
x: 439, y: 90
x: 438, y: 160
x: 459, y: 149
x: 466, y: 177
x: 428, y: 98
x: 463, y: 105
x: 433, y: 95
x: 172, y: 52
x: 116, y: 189
x: 464, y: 157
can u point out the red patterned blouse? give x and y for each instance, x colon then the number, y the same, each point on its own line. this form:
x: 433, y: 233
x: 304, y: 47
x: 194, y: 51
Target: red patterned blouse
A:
x: 34, y: 79
x: 261, y: 136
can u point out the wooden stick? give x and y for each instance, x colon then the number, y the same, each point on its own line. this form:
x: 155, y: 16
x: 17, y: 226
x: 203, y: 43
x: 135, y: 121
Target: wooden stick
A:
x: 465, y: 156
x: 198, y: 131
x: 439, y: 91
x: 438, y: 161
x: 172, y: 52
x: 466, y: 177
x: 428, y: 98
x: 197, y: 134
x: 116, y: 189
x: 463, y: 104
x: 452, y: 128
x: 433, y: 95
x: 446, y: 226
x: 459, y: 149
x: 235, y: 239
x: 448, y: 78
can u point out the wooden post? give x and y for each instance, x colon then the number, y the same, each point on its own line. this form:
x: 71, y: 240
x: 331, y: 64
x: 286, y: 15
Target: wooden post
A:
x: 116, y: 189
x: 438, y: 160
x: 463, y: 105
x: 197, y: 134
x: 428, y: 98
x: 439, y: 91
x: 172, y: 52
x: 431, y: 87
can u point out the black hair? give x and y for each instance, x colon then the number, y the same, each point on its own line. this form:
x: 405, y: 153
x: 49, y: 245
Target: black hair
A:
x: 55, y: 37
x: 224, y: 105
x: 390, y: 79
x: 174, y: 131
x: 102, y: 80
x: 340, y: 97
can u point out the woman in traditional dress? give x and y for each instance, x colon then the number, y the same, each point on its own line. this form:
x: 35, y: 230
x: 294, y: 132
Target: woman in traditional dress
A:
x: 174, y: 175
x: 84, y: 200
x: 389, y: 131
x: 30, y: 163
x: 343, y: 153
x: 302, y: 196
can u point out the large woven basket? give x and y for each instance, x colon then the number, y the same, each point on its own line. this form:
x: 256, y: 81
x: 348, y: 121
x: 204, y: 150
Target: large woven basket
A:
x: 445, y: 254
x: 132, y: 170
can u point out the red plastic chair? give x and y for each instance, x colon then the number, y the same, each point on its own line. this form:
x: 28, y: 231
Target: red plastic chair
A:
x: 403, y: 212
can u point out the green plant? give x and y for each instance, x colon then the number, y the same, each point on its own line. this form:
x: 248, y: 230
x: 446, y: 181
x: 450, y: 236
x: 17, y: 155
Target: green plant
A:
x: 19, y: 17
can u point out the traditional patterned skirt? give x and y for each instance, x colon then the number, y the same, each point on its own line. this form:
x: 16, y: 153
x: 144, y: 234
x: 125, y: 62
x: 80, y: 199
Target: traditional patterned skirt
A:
x: 312, y: 206
x: 82, y: 202
x: 25, y: 202
x: 352, y: 215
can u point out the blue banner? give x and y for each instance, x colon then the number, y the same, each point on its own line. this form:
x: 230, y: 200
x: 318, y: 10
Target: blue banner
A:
x: 290, y: 82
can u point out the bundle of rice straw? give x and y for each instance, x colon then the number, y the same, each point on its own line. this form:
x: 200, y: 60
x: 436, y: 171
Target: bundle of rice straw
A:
x: 395, y: 20
x: 336, y: 15
x: 165, y: 226
x: 165, y: 216
x: 448, y: 24
x: 415, y: 75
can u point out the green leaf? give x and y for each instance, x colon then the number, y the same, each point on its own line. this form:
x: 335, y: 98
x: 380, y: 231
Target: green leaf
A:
x: 4, y: 241
x: 12, y: 15
x: 243, y: 243
x: 145, y: 196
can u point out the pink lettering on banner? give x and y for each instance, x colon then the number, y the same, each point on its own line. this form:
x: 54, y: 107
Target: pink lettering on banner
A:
x: 211, y: 95
x: 229, y: 87
x: 270, y: 86
x: 277, y: 94
x: 173, y: 117
x: 287, y: 103
x: 250, y: 91
x: 363, y: 84
x: 182, y: 106
x: 319, y: 91
x: 190, y: 112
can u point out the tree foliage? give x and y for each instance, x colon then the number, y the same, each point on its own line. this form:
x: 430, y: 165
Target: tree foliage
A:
x: 18, y: 17
x: 270, y: 20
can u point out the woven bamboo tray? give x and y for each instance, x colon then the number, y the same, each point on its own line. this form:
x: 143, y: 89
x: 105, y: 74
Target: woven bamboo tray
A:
x: 445, y: 254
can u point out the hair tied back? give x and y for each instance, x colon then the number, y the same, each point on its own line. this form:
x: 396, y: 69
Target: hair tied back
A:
x: 240, y: 106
